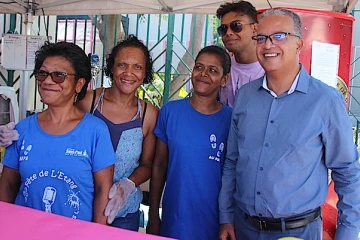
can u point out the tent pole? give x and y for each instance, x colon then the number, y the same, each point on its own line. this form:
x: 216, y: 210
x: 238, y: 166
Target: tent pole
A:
x: 24, y: 79
x: 169, y: 53
x: 10, y: 73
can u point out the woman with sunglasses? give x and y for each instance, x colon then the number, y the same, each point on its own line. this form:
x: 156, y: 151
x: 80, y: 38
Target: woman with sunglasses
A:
x: 63, y: 160
x: 131, y: 122
x: 190, y: 150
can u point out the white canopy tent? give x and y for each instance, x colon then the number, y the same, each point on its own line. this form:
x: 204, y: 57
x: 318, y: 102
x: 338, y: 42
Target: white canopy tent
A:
x: 92, y: 7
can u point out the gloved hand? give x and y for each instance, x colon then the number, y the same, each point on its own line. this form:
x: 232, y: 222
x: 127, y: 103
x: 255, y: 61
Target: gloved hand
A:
x: 118, y: 195
x: 8, y: 134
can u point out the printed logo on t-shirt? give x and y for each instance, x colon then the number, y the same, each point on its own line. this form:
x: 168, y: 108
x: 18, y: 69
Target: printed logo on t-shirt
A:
x: 49, y: 198
x: 76, y: 153
x: 213, y: 141
x: 73, y: 201
x: 213, y: 145
x: 24, y: 151
x: 50, y: 193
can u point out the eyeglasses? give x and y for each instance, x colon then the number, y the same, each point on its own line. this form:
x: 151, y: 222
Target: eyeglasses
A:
x: 235, y: 26
x: 58, y: 77
x: 277, y: 37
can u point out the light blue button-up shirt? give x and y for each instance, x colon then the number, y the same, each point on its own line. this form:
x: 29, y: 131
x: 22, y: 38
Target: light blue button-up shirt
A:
x: 279, y: 150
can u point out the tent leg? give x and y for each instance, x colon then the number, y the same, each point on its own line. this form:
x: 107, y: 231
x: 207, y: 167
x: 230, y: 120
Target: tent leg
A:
x: 24, y: 87
x: 24, y: 79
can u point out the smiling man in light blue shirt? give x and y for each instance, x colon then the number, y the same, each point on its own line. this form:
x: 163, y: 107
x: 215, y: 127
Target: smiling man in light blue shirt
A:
x: 287, y: 130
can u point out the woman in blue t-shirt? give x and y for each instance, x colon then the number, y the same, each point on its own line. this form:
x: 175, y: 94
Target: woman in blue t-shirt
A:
x: 63, y: 161
x: 131, y: 122
x: 190, y: 150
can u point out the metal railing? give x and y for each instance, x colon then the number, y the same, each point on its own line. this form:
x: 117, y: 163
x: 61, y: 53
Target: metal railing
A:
x: 353, y: 97
x: 166, y: 35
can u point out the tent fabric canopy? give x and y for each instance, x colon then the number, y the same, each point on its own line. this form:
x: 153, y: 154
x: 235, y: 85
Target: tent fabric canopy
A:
x: 92, y: 7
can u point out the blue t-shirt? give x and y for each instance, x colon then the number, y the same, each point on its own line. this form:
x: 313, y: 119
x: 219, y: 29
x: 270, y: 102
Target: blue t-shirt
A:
x: 57, y: 170
x: 197, y: 145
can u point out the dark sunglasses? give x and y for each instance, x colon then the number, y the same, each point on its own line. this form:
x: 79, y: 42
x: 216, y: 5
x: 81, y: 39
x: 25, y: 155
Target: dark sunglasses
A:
x: 277, y: 37
x: 235, y: 26
x: 58, y: 77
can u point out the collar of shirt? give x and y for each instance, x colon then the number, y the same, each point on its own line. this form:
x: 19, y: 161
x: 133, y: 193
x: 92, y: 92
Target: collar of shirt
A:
x: 291, y: 90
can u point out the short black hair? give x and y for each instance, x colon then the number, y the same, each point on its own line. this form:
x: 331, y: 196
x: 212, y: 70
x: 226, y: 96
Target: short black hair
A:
x: 131, y: 41
x: 72, y: 53
x: 221, y: 53
x: 241, y: 7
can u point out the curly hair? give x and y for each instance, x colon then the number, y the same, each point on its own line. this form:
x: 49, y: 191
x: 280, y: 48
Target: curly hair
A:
x: 72, y: 53
x: 242, y: 7
x: 130, y: 41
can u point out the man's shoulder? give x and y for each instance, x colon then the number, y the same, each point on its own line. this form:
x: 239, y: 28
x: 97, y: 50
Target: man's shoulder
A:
x: 255, y: 84
x: 316, y: 88
x: 322, y: 89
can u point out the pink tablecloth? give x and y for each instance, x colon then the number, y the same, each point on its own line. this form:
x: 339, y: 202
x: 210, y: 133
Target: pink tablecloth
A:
x: 24, y: 223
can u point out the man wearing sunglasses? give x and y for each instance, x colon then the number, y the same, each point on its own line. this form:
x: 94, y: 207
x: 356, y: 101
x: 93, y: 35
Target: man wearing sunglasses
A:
x: 287, y: 130
x: 238, y: 25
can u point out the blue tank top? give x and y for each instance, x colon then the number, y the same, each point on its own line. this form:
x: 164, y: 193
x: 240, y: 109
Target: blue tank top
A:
x: 127, y: 139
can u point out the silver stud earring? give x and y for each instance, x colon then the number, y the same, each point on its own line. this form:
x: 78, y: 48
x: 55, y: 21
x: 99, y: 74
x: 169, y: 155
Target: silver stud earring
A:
x: 76, y: 96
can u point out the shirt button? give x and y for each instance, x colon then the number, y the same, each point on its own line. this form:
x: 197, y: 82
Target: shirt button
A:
x: 261, y: 168
x: 266, y: 144
x: 258, y: 193
x: 271, y: 121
